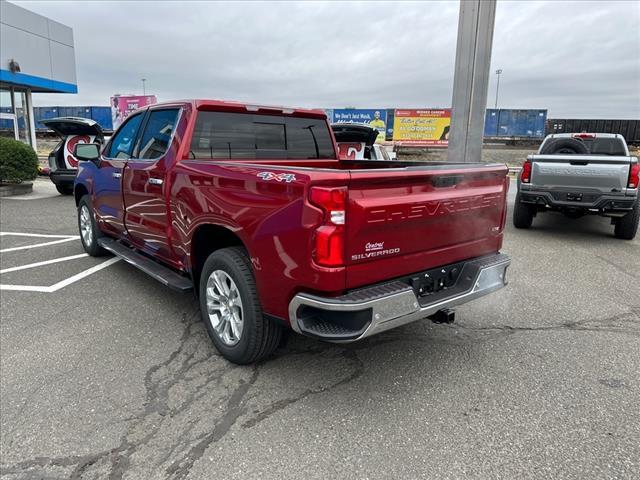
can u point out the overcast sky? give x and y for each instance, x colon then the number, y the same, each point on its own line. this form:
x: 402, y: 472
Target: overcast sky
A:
x: 577, y: 59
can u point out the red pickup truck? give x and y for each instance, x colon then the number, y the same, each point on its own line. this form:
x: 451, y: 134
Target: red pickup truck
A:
x: 251, y: 207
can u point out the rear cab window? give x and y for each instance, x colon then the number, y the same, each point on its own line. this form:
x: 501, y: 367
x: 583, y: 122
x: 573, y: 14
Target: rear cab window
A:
x: 605, y: 146
x: 245, y: 136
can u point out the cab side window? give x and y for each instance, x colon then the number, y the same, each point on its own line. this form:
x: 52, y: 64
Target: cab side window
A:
x: 121, y: 146
x: 157, y: 133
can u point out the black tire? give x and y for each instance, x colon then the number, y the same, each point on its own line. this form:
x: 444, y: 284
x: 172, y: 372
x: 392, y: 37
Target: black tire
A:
x: 567, y: 146
x: 627, y: 226
x: 90, y: 244
x: 64, y: 190
x: 523, y: 214
x: 260, y: 336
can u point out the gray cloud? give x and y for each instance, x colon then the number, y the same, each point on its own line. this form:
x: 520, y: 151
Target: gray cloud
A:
x: 576, y: 59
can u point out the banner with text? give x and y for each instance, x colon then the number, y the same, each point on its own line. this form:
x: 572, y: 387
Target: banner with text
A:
x: 123, y: 105
x: 422, y: 127
x: 376, y: 118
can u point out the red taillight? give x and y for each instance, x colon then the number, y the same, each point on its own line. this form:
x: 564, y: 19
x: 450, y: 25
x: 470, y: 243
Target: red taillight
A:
x: 329, y: 237
x: 329, y: 198
x: 584, y: 135
x: 634, y: 176
x: 525, y: 176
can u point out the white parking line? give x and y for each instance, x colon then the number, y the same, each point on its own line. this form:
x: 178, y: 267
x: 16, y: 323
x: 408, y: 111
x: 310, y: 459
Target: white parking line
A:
x: 63, y: 283
x: 46, y: 262
x: 36, y: 245
x: 40, y: 235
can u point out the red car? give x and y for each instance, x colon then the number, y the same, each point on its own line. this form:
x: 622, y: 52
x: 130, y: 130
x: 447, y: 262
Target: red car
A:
x: 251, y: 207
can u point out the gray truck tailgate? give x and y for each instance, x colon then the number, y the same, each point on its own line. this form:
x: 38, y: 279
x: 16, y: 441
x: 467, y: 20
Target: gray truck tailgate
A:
x: 593, y: 172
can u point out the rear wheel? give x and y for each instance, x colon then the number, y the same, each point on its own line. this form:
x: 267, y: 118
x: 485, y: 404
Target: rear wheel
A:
x: 523, y: 214
x: 231, y: 309
x: 627, y: 227
x: 89, y: 232
x: 64, y: 190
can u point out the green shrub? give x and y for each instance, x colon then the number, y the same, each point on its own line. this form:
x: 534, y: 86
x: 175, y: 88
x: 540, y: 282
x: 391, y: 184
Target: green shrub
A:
x: 18, y: 161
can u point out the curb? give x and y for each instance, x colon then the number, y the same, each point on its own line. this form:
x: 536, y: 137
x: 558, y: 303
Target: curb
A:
x: 16, y: 189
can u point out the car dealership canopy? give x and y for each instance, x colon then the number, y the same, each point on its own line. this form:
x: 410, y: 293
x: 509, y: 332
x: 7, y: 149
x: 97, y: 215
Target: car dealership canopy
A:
x: 37, y: 55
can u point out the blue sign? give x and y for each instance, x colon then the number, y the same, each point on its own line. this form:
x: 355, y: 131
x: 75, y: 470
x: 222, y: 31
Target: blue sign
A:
x: 376, y: 118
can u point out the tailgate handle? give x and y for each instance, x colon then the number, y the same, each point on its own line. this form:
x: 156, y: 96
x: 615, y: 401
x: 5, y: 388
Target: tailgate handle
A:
x: 579, y: 162
x: 446, y: 180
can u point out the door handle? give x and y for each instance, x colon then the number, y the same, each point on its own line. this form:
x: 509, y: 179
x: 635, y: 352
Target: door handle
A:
x: 117, y: 175
x: 155, y: 181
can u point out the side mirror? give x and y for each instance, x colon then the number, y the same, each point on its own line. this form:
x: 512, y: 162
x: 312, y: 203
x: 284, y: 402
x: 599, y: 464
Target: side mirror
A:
x: 89, y: 152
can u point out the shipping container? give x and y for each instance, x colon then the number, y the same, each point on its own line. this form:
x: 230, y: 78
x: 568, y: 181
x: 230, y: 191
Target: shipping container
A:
x: 102, y: 115
x: 6, y: 125
x: 491, y: 122
x: 515, y: 123
x: 44, y: 113
x: 629, y: 129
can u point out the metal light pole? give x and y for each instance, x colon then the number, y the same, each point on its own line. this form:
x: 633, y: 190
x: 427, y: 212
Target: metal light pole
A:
x: 471, y: 79
x: 144, y: 90
x: 498, y: 72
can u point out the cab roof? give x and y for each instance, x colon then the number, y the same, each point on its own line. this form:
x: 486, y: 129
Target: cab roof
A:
x: 226, y: 105
x: 592, y: 135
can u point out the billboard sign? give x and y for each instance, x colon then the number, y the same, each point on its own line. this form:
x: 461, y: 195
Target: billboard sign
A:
x: 123, y: 105
x: 376, y: 118
x: 422, y: 127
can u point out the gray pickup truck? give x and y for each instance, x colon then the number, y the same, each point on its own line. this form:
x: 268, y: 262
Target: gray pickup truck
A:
x: 581, y: 174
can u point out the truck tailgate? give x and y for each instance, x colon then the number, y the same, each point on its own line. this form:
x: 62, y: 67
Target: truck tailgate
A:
x: 606, y: 174
x: 401, y: 221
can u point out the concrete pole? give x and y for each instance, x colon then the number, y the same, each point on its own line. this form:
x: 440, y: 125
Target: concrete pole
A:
x: 498, y: 73
x: 471, y: 79
x: 31, y: 119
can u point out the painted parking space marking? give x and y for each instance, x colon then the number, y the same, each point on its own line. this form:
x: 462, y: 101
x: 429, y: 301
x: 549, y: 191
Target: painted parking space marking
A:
x: 39, y: 235
x: 45, y: 262
x: 45, y: 244
x: 62, y: 283
x: 61, y: 239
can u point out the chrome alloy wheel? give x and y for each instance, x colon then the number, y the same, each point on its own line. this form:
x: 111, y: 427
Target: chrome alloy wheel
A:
x: 224, y: 307
x: 86, y: 229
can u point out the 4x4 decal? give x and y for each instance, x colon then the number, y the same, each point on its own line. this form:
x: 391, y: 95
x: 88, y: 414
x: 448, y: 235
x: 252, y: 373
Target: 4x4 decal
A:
x: 280, y: 177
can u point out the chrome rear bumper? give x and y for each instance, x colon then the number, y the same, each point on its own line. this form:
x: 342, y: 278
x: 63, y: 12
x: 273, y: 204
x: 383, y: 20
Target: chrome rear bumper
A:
x: 371, y: 310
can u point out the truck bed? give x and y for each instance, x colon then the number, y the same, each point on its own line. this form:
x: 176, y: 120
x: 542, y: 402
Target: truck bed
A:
x: 401, y: 217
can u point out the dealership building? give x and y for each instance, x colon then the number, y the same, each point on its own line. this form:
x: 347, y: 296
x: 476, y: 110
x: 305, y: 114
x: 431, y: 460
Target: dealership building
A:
x: 36, y: 55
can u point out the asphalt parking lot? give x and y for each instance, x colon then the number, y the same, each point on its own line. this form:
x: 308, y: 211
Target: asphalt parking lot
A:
x: 107, y: 374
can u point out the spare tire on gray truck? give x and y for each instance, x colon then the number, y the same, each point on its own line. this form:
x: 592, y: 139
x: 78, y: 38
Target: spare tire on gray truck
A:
x: 567, y: 146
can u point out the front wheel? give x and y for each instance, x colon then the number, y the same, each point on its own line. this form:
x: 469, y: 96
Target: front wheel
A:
x: 627, y: 226
x: 523, y: 214
x: 89, y: 232
x: 231, y: 309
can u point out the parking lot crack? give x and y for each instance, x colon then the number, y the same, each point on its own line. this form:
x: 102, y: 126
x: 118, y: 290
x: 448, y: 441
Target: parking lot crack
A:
x: 284, y: 403
x: 618, y: 267
x: 234, y: 409
x: 627, y: 323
